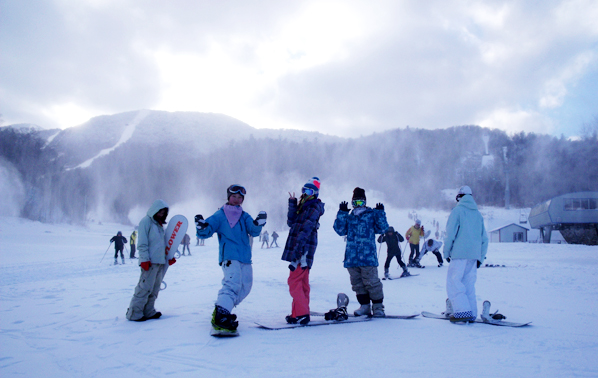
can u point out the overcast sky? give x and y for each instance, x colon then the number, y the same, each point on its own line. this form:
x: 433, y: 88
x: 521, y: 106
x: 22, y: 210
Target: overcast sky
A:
x: 346, y: 68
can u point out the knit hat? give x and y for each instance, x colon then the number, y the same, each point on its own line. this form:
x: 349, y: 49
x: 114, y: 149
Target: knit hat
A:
x: 313, y: 184
x: 358, y: 193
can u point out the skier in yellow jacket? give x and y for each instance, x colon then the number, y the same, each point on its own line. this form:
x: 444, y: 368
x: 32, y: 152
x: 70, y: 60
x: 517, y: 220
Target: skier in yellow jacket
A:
x: 413, y: 235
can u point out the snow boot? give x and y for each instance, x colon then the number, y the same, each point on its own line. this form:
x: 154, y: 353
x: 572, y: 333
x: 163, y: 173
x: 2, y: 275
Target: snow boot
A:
x: 416, y: 265
x: 465, y: 316
x: 449, y: 309
x: 115, y: 261
x: 365, y: 309
x: 405, y: 273
x: 439, y: 265
x: 222, y: 319
x: 123, y: 260
x: 386, y: 275
x: 378, y: 309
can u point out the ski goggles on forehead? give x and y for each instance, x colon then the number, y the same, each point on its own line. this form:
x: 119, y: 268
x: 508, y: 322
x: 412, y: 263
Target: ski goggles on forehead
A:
x: 308, y: 191
x: 237, y: 189
x: 358, y: 203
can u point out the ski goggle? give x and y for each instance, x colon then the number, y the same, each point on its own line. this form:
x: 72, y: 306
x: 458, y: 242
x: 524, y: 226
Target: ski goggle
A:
x: 358, y: 203
x: 236, y: 189
x: 308, y: 191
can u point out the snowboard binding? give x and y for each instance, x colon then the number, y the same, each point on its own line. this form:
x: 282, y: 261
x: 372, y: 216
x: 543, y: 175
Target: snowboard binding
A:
x: 340, y: 312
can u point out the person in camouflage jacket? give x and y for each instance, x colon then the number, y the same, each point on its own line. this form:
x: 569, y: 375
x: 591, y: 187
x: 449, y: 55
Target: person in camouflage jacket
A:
x: 361, y: 259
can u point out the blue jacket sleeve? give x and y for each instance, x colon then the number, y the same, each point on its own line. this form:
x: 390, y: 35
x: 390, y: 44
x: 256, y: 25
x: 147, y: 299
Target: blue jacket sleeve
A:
x: 380, y: 223
x: 340, y: 223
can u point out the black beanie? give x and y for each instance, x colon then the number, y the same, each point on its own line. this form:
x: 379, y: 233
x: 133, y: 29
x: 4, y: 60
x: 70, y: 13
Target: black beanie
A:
x: 358, y: 193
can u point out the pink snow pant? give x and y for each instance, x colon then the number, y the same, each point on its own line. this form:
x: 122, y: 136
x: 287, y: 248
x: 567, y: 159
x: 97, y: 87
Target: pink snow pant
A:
x: 299, y: 288
x: 460, y: 286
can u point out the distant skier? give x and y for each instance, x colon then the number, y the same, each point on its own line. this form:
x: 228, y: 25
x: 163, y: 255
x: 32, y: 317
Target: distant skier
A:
x: 119, y: 244
x: 361, y: 260
x: 185, y: 242
x: 132, y: 241
x: 233, y: 226
x: 465, y: 249
x: 265, y: 239
x: 413, y: 235
x: 432, y: 246
x: 274, y: 237
x: 392, y: 239
x: 303, y: 219
x: 152, y: 260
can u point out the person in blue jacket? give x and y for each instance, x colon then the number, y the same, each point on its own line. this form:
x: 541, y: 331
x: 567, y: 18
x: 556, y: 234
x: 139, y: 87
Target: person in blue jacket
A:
x: 361, y: 259
x: 233, y: 226
x: 465, y: 248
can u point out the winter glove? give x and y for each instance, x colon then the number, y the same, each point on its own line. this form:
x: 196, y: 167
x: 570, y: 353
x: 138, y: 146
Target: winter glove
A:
x: 380, y: 238
x: 479, y: 263
x: 379, y: 206
x: 145, y: 265
x: 171, y: 261
x: 448, y: 259
x: 200, y: 223
x: 344, y: 206
x: 423, y: 231
x: 260, y: 220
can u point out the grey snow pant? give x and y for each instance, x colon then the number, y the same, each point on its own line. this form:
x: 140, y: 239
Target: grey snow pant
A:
x: 364, y: 280
x: 146, y: 292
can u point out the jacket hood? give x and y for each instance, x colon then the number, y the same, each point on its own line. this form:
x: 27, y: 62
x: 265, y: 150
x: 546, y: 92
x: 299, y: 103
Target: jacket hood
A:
x: 468, y: 202
x: 155, y: 207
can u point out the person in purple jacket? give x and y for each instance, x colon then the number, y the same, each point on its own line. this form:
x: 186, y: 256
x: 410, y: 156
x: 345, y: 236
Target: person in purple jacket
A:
x: 303, y: 219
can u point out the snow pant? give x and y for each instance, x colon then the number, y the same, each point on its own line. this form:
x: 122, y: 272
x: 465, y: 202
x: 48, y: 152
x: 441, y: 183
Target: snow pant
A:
x: 265, y: 241
x: 366, y: 284
x: 414, y: 255
x: 122, y: 256
x: 146, y: 292
x: 299, y: 288
x: 436, y: 253
x: 132, y: 256
x: 188, y: 250
x: 273, y: 242
x: 460, y: 287
x: 236, y: 284
x: 389, y: 257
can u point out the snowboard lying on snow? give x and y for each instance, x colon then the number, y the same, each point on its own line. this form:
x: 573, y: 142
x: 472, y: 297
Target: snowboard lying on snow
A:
x: 371, y: 317
x: 503, y: 323
x: 313, y: 323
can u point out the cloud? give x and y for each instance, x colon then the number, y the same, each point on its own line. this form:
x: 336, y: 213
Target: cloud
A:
x: 341, y: 67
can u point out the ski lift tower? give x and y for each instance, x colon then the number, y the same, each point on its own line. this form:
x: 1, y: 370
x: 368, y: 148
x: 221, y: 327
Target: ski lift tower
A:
x: 507, y: 190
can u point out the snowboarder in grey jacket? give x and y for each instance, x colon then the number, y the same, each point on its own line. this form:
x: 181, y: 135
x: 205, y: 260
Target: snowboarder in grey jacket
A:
x: 152, y: 260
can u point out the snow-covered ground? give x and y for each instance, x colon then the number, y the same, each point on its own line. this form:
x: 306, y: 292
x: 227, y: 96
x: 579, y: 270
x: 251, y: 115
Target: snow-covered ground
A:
x: 62, y: 312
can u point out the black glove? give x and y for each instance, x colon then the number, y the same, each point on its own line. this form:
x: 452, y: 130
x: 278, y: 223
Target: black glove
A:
x: 344, y: 206
x: 379, y: 206
x: 200, y: 223
x: 448, y: 259
x: 479, y: 263
x: 260, y: 220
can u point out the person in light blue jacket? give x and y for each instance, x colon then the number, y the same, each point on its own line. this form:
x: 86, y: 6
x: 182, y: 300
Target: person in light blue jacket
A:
x: 465, y: 248
x: 152, y: 260
x: 233, y: 226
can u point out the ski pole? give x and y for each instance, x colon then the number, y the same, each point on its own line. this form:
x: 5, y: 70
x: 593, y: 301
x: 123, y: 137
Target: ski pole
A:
x: 105, y: 252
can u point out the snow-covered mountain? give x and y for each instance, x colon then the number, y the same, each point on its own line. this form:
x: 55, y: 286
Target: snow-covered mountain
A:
x: 192, y: 132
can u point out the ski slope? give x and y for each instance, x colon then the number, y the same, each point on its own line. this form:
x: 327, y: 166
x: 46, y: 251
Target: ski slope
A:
x: 62, y: 313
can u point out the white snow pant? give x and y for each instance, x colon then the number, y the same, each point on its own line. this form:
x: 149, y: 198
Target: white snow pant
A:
x: 146, y: 292
x: 460, y: 287
x: 236, y: 284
